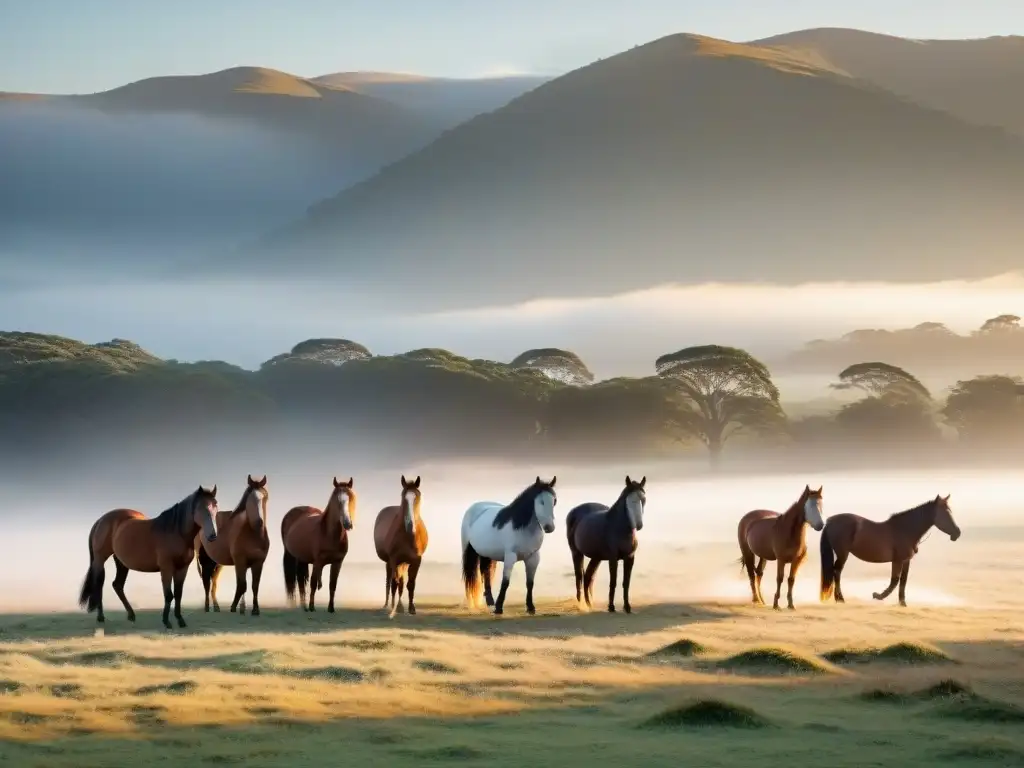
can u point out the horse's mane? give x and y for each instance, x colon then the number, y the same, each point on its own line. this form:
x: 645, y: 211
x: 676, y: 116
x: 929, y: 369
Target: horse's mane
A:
x: 520, y: 511
x: 795, y: 512
x: 173, y: 519
x: 617, y: 512
x: 243, y: 501
x: 907, y: 512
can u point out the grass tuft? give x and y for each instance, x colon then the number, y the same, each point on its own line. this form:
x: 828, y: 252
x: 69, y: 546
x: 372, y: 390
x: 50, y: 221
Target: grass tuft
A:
x: 778, y: 661
x: 898, y: 653
x: 179, y: 688
x: 680, y: 649
x: 708, y: 713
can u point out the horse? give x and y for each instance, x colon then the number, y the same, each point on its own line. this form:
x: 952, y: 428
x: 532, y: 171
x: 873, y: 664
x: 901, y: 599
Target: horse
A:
x: 607, y: 533
x: 510, y: 533
x: 164, y: 544
x: 767, y: 535
x: 893, y: 541
x: 318, y: 538
x: 400, y: 538
x: 242, y: 541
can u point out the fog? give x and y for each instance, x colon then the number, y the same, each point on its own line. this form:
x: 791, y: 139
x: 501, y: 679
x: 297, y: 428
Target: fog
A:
x: 687, y: 546
x: 247, y: 321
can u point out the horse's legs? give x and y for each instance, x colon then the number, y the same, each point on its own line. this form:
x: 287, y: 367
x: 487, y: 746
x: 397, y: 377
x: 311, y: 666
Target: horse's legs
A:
x: 487, y: 570
x: 531, y: 564
x: 393, y: 589
x: 588, y: 579
x: 414, y: 570
x: 314, y: 582
x: 613, y: 575
x: 166, y: 577
x: 904, y: 573
x: 401, y: 589
x: 577, y: 568
x: 241, y: 566
x: 793, y: 568
x: 506, y: 575
x: 627, y: 574
x: 758, y: 573
x: 179, y: 588
x: 780, y: 574
x: 98, y: 579
x: 894, y: 579
x: 214, y: 578
x: 257, y: 573
x: 388, y: 578
x: 747, y: 561
x: 333, y: 584
x: 840, y: 563
x: 120, y: 577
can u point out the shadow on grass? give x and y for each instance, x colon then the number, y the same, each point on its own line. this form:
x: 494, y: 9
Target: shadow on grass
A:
x: 559, y: 620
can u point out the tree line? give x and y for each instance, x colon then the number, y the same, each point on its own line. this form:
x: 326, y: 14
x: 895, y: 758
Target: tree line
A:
x: 59, y: 394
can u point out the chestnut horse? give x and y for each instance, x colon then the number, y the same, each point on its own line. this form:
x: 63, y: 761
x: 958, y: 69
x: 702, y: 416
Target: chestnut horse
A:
x: 242, y: 541
x: 607, y: 533
x: 164, y: 544
x: 400, y: 538
x: 767, y: 535
x: 893, y: 541
x: 318, y: 538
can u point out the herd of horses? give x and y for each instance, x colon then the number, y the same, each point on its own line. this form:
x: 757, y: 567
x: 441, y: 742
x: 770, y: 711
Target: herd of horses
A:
x: 313, y: 539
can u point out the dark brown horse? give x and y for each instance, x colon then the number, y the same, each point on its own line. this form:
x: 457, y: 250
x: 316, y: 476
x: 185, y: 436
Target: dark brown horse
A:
x: 318, y: 538
x: 607, y: 533
x: 766, y: 535
x: 400, y: 538
x: 893, y: 541
x: 242, y: 541
x: 164, y: 544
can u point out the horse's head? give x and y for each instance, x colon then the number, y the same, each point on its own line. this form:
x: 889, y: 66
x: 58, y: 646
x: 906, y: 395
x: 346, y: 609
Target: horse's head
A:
x: 410, y: 502
x: 345, y: 499
x: 204, y: 511
x: 944, y: 517
x: 813, y: 508
x: 636, y: 498
x: 256, y: 498
x: 544, y: 501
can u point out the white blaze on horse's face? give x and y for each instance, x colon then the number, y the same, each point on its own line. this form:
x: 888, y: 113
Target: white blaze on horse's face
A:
x: 544, y: 509
x: 209, y: 520
x: 346, y: 518
x: 258, y: 499
x: 635, y: 509
x: 409, y: 497
x: 813, y: 512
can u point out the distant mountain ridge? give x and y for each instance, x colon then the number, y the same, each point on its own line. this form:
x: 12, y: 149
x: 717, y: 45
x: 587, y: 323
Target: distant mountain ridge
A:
x: 687, y: 159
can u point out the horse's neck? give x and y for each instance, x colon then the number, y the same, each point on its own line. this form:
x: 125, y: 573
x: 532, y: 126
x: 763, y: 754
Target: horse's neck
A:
x: 616, y: 520
x: 914, y: 522
x: 792, y: 520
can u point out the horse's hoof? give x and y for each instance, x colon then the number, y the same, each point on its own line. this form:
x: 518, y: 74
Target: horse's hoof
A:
x: 131, y: 617
x: 791, y: 607
x: 206, y: 609
x: 234, y: 609
x: 330, y: 609
x: 412, y: 609
x: 498, y: 611
x: 903, y: 603
x: 100, y: 619
x: 167, y: 624
x: 877, y: 596
x: 531, y: 610
x: 182, y: 624
x: 611, y: 609
x: 776, y: 607
x: 627, y: 608
x: 216, y: 609
x: 255, y: 611
x: 241, y: 611
x: 489, y: 602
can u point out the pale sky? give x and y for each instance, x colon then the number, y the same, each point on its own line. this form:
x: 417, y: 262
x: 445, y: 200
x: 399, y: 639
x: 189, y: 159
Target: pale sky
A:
x: 82, y: 46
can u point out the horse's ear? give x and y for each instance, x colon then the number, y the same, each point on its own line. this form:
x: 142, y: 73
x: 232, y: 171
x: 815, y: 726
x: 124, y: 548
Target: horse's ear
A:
x: 820, y: 488
x: 643, y: 481
x: 405, y: 483
x: 537, y: 481
x: 214, y: 491
x: 628, y: 481
x: 250, y: 480
x: 946, y: 497
x: 336, y: 483
x: 351, y: 482
x: 263, y: 482
x: 555, y: 477
x: 416, y: 484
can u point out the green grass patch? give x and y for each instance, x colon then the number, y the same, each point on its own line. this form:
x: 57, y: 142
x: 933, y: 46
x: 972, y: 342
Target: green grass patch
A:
x: 9, y: 686
x: 898, y: 653
x: 977, y: 709
x: 776, y: 661
x: 943, y: 689
x: 708, y: 713
x: 179, y: 688
x: 987, y: 750
x: 680, y: 649
x: 331, y: 674
x: 437, y: 667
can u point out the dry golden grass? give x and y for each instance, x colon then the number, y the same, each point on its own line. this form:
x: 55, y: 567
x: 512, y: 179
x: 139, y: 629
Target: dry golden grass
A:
x: 791, y: 60
x: 271, y: 81
x: 560, y: 688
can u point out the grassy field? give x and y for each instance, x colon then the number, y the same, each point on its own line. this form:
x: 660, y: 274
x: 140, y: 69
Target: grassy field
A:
x: 704, y: 685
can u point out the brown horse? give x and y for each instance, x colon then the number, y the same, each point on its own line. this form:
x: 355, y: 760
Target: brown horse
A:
x: 767, y: 535
x: 318, y: 538
x: 164, y: 544
x: 893, y: 541
x: 400, y: 538
x: 242, y: 541
x: 607, y: 533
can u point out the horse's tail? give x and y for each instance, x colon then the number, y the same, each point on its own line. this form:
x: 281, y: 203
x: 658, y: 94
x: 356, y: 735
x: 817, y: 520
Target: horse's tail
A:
x: 88, y: 598
x: 291, y: 575
x: 471, y: 576
x: 828, y: 566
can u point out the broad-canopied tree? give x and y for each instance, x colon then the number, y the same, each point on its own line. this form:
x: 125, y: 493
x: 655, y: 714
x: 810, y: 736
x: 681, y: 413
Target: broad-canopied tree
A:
x: 727, y: 389
x: 895, y: 403
x: 558, y: 364
x: 986, y: 408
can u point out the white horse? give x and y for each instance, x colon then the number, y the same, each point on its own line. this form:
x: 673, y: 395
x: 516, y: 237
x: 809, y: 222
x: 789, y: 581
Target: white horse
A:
x: 493, y: 532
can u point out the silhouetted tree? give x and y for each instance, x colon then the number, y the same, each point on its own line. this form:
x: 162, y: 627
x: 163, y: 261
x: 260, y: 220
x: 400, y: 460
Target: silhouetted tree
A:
x: 896, y: 403
x: 882, y: 380
x: 1000, y: 324
x: 986, y: 407
x: 727, y: 390
x: 558, y: 364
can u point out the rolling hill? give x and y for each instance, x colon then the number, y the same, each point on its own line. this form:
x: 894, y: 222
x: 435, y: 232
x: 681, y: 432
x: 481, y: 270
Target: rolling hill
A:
x: 687, y: 159
x: 979, y: 81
